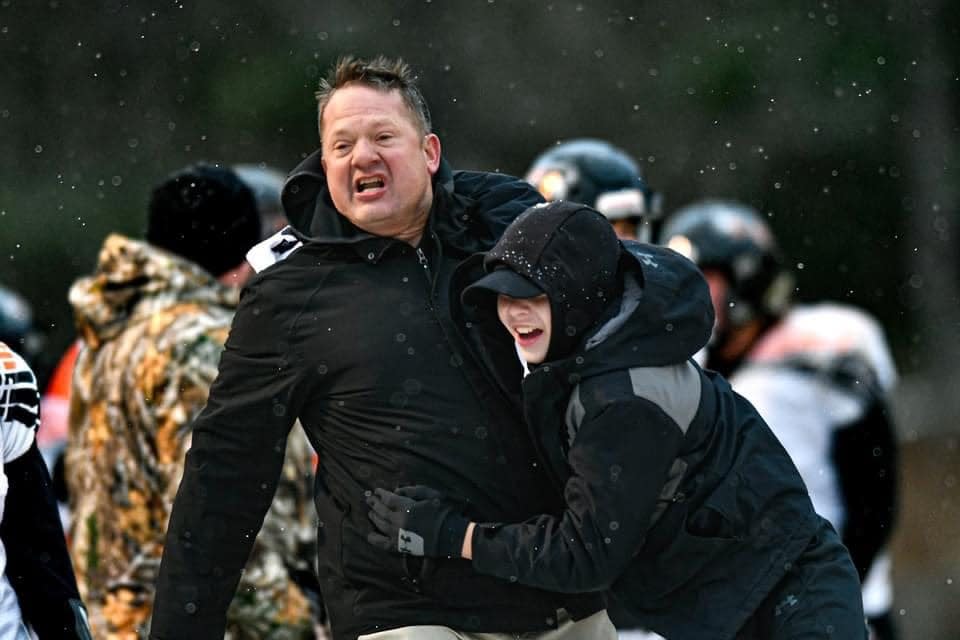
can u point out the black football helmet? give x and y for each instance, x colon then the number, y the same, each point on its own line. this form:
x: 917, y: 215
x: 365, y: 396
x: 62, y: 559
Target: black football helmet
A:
x: 598, y: 174
x: 734, y: 239
x: 17, y: 329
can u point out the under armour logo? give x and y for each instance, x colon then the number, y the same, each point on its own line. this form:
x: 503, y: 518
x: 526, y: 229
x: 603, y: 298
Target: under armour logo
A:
x: 789, y: 601
x: 647, y: 259
x: 409, y: 542
x: 636, y: 249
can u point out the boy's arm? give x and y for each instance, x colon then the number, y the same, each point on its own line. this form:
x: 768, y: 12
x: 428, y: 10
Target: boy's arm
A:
x: 619, y: 465
x: 628, y: 429
x: 623, y: 470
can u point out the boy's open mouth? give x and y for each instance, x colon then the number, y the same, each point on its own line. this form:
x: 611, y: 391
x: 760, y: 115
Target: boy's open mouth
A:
x: 526, y: 335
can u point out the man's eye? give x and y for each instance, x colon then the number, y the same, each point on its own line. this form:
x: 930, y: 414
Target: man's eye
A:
x: 384, y: 137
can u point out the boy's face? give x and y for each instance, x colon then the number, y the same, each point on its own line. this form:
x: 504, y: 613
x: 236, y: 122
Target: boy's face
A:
x: 528, y: 321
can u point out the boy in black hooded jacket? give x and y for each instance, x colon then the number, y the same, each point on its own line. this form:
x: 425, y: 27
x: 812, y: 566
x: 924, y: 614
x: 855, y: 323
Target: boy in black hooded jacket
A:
x: 679, y: 499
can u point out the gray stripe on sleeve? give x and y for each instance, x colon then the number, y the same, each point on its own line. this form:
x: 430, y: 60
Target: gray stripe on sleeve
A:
x: 675, y: 389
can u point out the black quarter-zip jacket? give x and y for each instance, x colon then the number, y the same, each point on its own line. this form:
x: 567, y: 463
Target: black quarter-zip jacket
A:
x: 352, y: 334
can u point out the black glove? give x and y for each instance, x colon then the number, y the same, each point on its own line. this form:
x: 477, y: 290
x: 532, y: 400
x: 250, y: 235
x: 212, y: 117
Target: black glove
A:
x: 417, y: 520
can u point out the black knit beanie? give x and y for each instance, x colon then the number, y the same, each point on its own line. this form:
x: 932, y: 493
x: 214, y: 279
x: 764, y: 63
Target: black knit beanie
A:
x: 205, y: 214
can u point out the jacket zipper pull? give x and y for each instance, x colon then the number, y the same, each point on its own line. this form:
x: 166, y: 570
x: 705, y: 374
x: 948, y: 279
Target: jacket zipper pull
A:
x: 422, y: 257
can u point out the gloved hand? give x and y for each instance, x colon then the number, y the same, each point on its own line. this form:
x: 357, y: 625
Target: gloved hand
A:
x: 416, y: 520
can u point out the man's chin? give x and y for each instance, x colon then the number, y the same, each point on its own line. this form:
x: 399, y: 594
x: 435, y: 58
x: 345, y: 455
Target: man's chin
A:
x: 368, y: 216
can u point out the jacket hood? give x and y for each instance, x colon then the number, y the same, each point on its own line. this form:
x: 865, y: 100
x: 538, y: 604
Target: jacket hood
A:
x: 616, y: 304
x: 566, y: 250
x: 132, y: 281
x: 470, y: 209
x: 664, y: 315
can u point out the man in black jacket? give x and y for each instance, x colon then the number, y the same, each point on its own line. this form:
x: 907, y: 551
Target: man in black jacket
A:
x: 351, y: 333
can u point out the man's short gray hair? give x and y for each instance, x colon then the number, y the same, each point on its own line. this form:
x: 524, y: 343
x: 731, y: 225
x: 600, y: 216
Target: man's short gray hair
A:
x: 381, y: 73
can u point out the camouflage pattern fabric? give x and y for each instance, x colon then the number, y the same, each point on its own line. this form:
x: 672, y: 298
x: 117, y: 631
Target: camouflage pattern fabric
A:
x: 153, y: 326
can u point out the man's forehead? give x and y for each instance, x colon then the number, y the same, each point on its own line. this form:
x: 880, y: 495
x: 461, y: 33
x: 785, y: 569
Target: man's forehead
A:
x: 371, y: 117
x: 355, y: 103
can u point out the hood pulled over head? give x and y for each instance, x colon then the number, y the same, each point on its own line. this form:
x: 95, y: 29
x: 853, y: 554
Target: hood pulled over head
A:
x: 566, y: 250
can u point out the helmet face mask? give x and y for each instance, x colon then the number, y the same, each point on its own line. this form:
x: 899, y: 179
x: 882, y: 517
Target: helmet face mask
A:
x: 596, y: 173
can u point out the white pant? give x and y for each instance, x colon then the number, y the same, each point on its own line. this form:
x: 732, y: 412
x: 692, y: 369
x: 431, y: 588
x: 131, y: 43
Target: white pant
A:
x: 595, y: 627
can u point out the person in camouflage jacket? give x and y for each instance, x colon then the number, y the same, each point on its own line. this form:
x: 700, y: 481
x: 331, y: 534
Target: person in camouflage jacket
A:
x: 153, y: 326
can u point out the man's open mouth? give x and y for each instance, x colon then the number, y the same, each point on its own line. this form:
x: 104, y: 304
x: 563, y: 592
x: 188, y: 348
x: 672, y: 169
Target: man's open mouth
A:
x: 369, y: 183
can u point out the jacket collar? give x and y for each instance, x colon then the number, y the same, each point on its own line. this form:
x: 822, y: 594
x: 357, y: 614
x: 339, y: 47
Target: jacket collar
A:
x: 663, y: 316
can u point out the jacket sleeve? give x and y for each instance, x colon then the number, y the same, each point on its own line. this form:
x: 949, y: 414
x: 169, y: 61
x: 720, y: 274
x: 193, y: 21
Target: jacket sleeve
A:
x: 497, y: 200
x: 38, y: 565
x: 230, y: 475
x: 865, y: 455
x: 619, y: 463
x: 279, y: 591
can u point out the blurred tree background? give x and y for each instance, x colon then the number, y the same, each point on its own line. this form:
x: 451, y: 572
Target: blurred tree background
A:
x: 838, y: 120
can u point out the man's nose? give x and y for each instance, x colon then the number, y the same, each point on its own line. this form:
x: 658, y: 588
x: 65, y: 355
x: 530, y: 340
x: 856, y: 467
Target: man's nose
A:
x: 364, y: 152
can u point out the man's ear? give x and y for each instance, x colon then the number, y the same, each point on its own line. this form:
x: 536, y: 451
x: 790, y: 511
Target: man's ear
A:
x: 323, y: 163
x: 431, y: 151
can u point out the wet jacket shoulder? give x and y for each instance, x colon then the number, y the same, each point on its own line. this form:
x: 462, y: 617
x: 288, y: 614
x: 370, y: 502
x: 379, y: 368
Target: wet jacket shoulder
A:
x: 668, y: 476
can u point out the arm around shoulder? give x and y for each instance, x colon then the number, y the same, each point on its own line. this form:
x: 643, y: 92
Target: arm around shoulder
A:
x: 619, y: 463
x: 499, y: 197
